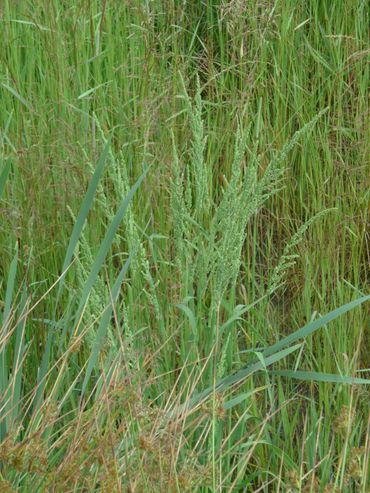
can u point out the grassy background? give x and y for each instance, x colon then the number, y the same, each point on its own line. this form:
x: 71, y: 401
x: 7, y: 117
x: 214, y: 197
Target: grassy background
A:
x: 99, y: 393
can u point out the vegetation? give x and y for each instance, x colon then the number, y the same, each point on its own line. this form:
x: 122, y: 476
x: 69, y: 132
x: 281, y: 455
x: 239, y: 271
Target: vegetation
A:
x: 184, y: 262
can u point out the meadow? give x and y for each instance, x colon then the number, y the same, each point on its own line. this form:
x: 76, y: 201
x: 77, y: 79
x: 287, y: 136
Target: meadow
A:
x: 184, y: 246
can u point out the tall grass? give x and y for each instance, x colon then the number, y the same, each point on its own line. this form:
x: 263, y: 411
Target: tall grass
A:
x: 184, y: 254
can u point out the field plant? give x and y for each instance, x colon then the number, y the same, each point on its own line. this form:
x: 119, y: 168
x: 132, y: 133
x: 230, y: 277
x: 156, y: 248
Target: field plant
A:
x: 184, y: 200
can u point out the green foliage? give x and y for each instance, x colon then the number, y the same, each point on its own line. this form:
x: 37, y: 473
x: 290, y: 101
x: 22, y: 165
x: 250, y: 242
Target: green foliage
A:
x: 183, y: 269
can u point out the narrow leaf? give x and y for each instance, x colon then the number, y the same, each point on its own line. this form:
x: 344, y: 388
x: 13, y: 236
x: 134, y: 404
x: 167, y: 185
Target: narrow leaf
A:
x: 313, y: 326
x: 76, y: 232
x: 3, y: 177
x: 103, y: 327
x: 105, y: 245
x: 320, y: 377
x: 92, y: 90
x: 84, y: 210
x: 17, y: 96
x: 244, y: 373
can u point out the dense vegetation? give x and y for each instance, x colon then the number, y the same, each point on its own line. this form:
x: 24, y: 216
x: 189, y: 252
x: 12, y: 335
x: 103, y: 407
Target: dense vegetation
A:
x: 184, y: 192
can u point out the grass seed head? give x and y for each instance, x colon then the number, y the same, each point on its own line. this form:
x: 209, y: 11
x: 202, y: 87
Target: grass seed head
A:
x: 344, y: 420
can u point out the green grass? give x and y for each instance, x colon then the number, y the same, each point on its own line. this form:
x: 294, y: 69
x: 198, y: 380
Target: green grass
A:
x: 184, y: 201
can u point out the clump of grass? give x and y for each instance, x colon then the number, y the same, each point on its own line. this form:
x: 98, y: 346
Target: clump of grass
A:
x: 179, y: 311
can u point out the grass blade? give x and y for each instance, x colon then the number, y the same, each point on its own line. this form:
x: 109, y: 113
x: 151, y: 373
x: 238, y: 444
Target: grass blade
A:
x: 105, y: 245
x: 15, y: 387
x: 3, y: 177
x: 313, y: 326
x: 5, y: 316
x: 321, y: 377
x: 103, y: 327
x: 17, y: 96
x: 84, y: 210
x: 76, y: 232
x: 245, y: 372
x: 10, y: 286
x: 92, y: 90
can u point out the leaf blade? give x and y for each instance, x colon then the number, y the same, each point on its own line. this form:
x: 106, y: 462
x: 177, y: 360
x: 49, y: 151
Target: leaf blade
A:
x: 311, y: 327
x: 320, y: 377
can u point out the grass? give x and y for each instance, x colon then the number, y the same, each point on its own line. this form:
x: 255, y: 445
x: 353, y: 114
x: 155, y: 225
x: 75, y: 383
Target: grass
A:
x: 184, y: 253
